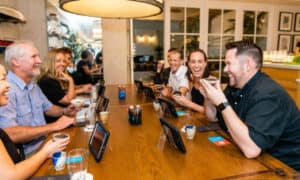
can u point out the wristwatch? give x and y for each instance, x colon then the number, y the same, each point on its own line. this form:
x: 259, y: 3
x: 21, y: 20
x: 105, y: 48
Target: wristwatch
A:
x: 222, y: 106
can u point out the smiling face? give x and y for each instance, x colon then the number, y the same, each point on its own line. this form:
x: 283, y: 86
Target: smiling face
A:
x: 174, y: 61
x: 197, y: 64
x: 4, y: 87
x: 235, y: 68
x: 60, y: 64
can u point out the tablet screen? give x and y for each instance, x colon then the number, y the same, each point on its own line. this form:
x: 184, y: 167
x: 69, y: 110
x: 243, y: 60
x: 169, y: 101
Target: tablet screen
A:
x: 98, y: 141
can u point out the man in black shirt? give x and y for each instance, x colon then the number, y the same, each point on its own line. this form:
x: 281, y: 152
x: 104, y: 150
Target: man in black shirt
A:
x: 256, y: 111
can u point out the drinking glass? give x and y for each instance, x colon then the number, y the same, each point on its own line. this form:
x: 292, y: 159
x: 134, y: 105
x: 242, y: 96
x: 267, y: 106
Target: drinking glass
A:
x: 77, y: 163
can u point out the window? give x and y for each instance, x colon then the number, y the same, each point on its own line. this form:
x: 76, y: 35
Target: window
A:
x: 221, y: 30
x: 255, y: 27
x: 185, y: 28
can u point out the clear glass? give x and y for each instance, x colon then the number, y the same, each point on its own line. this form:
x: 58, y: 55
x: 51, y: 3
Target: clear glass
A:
x: 77, y: 163
x: 177, y: 19
x: 91, y: 117
x: 249, y: 21
x: 213, y: 47
x: 177, y: 41
x: 249, y: 38
x: 214, y: 21
x: 192, y: 42
x: 262, y: 23
x: 192, y: 20
x: 229, y: 22
x: 261, y: 42
x: 225, y: 40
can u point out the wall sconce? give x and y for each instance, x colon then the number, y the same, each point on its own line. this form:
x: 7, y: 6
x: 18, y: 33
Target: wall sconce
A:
x: 146, y: 39
x: 140, y: 38
x: 152, y: 39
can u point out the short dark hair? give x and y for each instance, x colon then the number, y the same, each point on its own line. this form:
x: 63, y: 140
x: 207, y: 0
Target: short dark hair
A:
x: 66, y: 50
x: 85, y: 54
x: 176, y: 50
x: 298, y: 44
x: 245, y: 47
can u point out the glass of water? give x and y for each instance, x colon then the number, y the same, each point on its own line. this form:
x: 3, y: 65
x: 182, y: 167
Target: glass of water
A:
x: 77, y: 163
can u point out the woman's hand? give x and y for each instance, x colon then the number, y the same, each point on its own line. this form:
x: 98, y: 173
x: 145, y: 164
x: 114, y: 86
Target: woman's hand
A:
x: 180, y: 99
x: 52, y: 146
x: 64, y: 76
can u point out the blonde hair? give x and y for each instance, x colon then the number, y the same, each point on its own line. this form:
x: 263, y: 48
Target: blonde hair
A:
x: 48, y: 68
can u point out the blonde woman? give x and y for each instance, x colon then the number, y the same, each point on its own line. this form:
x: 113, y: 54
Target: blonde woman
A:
x: 55, y: 83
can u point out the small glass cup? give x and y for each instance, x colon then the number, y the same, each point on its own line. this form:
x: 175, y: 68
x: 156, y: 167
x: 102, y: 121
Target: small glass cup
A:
x: 77, y: 164
x: 60, y: 136
x: 190, y: 131
x: 104, y: 116
x: 122, y: 92
x: 59, y: 160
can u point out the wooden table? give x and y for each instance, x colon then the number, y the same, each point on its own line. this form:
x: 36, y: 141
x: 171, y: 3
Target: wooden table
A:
x: 132, y: 151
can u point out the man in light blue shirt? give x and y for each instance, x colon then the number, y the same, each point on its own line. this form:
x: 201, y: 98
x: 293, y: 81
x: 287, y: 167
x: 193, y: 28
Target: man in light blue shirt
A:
x: 23, y: 118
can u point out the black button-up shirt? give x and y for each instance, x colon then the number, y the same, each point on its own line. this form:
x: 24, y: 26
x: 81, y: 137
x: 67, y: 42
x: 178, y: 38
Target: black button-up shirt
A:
x: 271, y: 115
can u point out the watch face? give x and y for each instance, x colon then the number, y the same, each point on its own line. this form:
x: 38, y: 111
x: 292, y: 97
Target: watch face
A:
x: 222, y: 106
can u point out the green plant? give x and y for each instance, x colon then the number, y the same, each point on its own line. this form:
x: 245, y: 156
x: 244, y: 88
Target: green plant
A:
x: 76, y: 47
x: 297, y: 59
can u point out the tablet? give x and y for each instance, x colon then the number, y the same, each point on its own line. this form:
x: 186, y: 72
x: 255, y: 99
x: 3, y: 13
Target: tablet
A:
x: 168, y: 108
x: 139, y: 85
x: 102, y: 104
x: 173, y: 135
x: 98, y: 141
x: 148, y: 92
x: 101, y: 90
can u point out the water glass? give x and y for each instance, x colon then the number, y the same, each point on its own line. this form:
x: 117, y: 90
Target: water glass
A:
x: 77, y: 163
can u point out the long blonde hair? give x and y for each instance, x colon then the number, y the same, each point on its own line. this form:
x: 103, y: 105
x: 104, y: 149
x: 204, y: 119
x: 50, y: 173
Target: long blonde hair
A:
x: 48, y: 68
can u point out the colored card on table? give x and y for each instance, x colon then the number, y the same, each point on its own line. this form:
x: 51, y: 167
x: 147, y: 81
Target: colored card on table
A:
x: 180, y: 113
x: 222, y: 142
x: 215, y: 138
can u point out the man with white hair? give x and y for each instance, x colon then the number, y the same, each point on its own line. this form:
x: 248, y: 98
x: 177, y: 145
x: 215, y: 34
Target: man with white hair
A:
x: 23, y: 118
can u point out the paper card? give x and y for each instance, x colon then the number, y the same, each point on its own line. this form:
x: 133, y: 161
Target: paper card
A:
x: 222, y: 142
x: 180, y: 113
x: 215, y: 138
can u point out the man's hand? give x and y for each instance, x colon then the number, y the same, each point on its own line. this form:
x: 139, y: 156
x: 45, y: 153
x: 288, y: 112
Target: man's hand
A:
x: 70, y: 110
x: 214, y: 93
x: 63, y: 122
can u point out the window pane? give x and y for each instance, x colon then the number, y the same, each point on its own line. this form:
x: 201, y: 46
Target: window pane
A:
x: 214, y: 21
x: 229, y: 22
x: 261, y: 42
x: 262, y: 23
x: 192, y: 20
x: 249, y: 17
x: 249, y: 38
x: 226, y: 39
x: 214, y: 68
x: 213, y: 47
x: 192, y: 42
x: 177, y: 41
x: 177, y: 19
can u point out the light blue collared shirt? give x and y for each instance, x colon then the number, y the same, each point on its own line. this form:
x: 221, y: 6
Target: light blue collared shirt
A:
x: 26, y: 107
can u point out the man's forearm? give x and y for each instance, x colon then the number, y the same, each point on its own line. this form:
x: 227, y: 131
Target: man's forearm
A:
x: 55, y: 111
x: 22, y: 134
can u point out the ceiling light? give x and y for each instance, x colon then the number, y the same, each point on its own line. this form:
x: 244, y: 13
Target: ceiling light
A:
x: 113, y: 8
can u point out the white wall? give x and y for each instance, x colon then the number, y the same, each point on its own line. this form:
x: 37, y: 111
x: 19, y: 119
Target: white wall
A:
x: 115, y: 51
x: 35, y: 27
